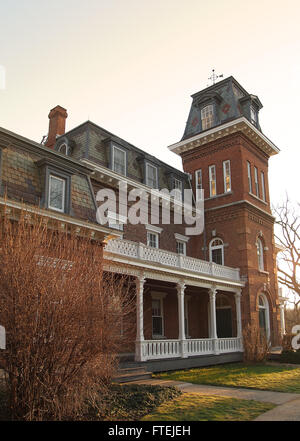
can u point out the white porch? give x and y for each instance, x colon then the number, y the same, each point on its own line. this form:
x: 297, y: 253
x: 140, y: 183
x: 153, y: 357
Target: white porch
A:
x: 147, y: 263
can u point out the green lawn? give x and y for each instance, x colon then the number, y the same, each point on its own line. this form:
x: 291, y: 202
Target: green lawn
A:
x: 194, y: 407
x: 259, y: 376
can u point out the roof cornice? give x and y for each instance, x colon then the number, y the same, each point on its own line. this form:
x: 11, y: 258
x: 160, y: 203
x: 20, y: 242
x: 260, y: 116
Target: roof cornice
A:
x: 237, y: 125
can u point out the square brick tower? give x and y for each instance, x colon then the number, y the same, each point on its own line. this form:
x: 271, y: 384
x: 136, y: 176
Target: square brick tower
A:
x: 226, y: 154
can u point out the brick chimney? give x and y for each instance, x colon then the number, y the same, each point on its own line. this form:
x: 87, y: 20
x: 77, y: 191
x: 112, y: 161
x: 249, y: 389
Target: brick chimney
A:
x: 57, y: 125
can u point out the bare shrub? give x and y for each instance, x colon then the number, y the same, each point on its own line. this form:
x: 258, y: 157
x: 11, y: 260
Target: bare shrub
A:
x: 255, y: 344
x: 286, y: 342
x: 62, y: 315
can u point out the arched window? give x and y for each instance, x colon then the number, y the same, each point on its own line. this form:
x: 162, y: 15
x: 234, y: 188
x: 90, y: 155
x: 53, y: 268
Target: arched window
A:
x: 65, y: 149
x: 264, y: 318
x: 216, y: 251
x: 260, y: 254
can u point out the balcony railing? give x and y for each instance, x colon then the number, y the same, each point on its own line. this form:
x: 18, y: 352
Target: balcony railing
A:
x: 140, y: 251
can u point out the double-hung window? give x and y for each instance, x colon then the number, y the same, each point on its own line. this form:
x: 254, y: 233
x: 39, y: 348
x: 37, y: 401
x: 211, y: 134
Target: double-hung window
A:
x: 207, y: 117
x: 118, y: 160
x: 227, y: 176
x: 57, y: 193
x: 181, y: 247
x: 152, y: 239
x: 212, y: 181
x: 256, y: 182
x: 151, y: 176
x: 157, y: 317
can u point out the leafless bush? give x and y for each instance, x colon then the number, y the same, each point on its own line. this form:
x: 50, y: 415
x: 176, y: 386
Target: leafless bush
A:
x: 255, y: 344
x: 63, y: 317
x: 286, y: 342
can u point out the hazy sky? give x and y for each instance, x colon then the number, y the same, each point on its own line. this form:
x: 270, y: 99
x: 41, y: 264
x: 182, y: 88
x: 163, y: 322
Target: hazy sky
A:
x: 130, y: 66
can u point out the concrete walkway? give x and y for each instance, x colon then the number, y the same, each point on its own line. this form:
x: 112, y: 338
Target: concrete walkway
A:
x: 287, y: 404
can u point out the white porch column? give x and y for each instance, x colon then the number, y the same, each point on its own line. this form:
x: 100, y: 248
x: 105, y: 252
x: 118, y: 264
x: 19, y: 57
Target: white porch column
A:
x: 282, y: 319
x: 213, y: 318
x: 139, y: 319
x: 237, y: 296
x: 181, y: 336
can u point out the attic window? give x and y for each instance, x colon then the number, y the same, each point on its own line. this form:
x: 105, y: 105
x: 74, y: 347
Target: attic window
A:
x: 207, y: 117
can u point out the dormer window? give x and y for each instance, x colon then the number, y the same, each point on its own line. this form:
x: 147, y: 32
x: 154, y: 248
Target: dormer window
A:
x: 207, y: 117
x: 253, y: 115
x: 151, y: 176
x: 178, y: 189
x: 57, y: 193
x: 64, y: 149
x: 118, y: 160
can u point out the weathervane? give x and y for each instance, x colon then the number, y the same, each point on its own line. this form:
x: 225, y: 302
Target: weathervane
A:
x: 214, y: 77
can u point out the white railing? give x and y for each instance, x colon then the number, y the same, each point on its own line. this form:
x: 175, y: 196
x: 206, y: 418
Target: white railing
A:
x: 155, y: 349
x: 230, y: 344
x: 159, y: 349
x: 143, y: 252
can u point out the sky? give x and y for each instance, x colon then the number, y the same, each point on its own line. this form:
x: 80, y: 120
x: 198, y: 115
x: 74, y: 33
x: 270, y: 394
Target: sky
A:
x: 130, y: 66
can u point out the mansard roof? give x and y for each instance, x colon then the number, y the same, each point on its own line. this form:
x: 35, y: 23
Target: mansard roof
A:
x: 229, y: 101
x: 92, y: 142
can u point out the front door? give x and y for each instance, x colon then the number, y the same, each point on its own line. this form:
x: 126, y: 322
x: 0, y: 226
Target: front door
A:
x: 224, y: 322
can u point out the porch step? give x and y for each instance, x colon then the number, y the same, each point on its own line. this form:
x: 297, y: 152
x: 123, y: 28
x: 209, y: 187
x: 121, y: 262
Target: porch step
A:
x: 127, y: 374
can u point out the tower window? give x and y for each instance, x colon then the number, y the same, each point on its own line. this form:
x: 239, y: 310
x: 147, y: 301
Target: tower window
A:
x: 263, y: 191
x: 256, y: 182
x: 212, y: 181
x: 253, y: 115
x: 198, y: 183
x: 227, y: 176
x: 263, y: 315
x: 260, y: 254
x: 249, y: 176
x: 216, y: 251
x: 207, y: 117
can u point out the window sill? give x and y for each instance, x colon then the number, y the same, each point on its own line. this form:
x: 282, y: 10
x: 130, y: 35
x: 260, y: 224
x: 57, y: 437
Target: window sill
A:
x: 257, y: 198
x: 264, y: 272
x: 159, y: 337
x: 218, y: 196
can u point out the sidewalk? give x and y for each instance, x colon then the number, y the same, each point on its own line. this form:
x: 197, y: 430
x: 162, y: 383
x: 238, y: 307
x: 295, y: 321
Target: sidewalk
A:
x: 288, y: 404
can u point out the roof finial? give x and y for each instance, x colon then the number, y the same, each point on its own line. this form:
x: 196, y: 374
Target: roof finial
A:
x: 214, y: 77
